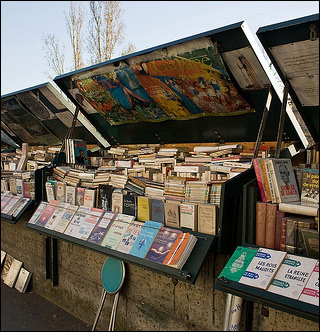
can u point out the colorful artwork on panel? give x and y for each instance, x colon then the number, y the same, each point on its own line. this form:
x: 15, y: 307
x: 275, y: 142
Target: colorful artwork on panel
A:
x: 179, y: 82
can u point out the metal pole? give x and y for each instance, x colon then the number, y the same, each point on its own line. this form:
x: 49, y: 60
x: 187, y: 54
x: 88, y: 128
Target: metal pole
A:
x: 235, y: 313
x: 227, y: 312
x: 102, y: 299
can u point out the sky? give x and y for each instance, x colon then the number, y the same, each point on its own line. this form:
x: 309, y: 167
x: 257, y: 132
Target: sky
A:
x: 148, y: 24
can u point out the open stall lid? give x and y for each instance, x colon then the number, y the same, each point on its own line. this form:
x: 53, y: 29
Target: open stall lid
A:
x: 42, y: 115
x: 210, y: 87
x: 293, y: 48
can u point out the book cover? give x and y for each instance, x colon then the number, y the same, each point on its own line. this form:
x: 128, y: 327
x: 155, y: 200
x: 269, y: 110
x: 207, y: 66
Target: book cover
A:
x: 80, y: 152
x: 172, y: 213
x: 130, y: 236
x: 104, y: 196
x: 117, y: 201
x: 23, y: 280
x: 13, y: 272
x: 180, y: 250
x: 87, y: 224
x: 12, y: 202
x: 285, y: 180
x: 310, y: 293
x: 6, y: 266
x: 263, y: 268
x: 50, y: 191
x: 56, y: 215
x: 292, y: 276
x: 71, y: 195
x: 311, y: 242
x: 270, y: 232
x: 47, y: 213
x: 117, y: 230
x: 238, y: 263
x: 207, y: 215
x: 265, y: 178
x: 34, y: 218
x: 60, y: 191
x: 26, y: 189
x: 310, y: 186
x: 145, y: 238
x: 143, y: 211
x: 79, y: 196
x: 162, y: 244
x: 89, y: 197
x: 62, y: 223
x: 157, y: 209
x: 270, y: 180
x: 189, y: 216
x: 101, y: 228
x: 258, y: 172
x: 3, y: 256
x: 19, y: 183
x: 129, y: 204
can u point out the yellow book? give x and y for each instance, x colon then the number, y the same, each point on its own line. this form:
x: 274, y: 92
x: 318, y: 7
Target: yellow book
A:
x: 143, y: 208
x: 265, y: 180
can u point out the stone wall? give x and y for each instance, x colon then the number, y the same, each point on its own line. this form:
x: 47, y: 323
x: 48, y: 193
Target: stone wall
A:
x: 148, y: 301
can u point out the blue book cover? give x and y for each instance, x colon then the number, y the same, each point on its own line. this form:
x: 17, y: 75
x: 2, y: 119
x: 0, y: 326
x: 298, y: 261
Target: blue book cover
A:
x: 157, y: 210
x: 145, y: 238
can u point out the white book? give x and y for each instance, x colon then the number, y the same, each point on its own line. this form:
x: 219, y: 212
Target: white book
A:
x: 130, y: 236
x: 56, y: 215
x: 189, y: 216
x: 62, y: 223
x: 71, y: 195
x: 23, y: 280
x: 310, y: 293
x: 89, y: 197
x: 50, y: 191
x: 37, y: 213
x: 13, y: 272
x: 292, y: 276
x: 262, y: 268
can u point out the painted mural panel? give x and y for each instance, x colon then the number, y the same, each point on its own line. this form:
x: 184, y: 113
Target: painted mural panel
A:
x: 180, y: 82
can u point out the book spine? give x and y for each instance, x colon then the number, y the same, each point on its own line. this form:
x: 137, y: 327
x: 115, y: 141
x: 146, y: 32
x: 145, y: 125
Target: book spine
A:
x: 283, y: 237
x: 277, y: 238
x: 265, y: 179
x: 259, y: 180
x: 271, y: 225
x: 270, y: 182
x: 261, y: 210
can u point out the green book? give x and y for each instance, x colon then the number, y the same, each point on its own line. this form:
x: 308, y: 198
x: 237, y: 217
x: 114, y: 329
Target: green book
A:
x: 238, y: 263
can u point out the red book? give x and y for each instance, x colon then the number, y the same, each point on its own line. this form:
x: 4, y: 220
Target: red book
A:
x: 47, y: 212
x: 26, y: 189
x: 261, y: 211
x: 277, y: 237
x: 259, y: 177
x: 270, y: 225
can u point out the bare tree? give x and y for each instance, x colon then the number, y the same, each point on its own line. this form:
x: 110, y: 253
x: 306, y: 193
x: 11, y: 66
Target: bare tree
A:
x: 74, y: 23
x: 129, y: 49
x: 105, y: 29
x: 54, y: 55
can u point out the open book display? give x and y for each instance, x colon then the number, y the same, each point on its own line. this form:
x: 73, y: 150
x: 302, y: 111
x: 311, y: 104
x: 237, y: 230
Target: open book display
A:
x: 13, y: 205
x: 149, y: 240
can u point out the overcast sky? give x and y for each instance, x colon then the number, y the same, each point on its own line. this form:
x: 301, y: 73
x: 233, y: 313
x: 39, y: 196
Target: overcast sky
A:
x: 148, y: 24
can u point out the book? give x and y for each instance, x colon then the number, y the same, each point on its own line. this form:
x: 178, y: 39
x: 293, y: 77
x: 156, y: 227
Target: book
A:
x: 310, y: 293
x: 130, y: 236
x: 157, y: 209
x: 172, y: 213
x: 143, y: 208
x: 162, y: 244
x: 292, y: 276
x: 89, y: 197
x: 129, y: 203
x: 60, y: 191
x: 23, y: 280
x: 104, y: 196
x: 71, y: 194
x: 238, y: 263
x: 261, y: 213
x: 19, y: 183
x: 36, y: 214
x: 80, y: 152
x: 286, y: 187
x: 79, y: 196
x: 13, y: 272
x: 263, y: 268
x: 258, y: 171
x: 207, y: 218
x: 180, y: 250
x: 101, y: 228
x: 27, y: 189
x: 270, y: 231
x: 299, y: 208
x: 3, y: 256
x: 270, y: 180
x: 6, y: 265
x: 62, y: 222
x: 311, y: 242
x: 47, y: 213
x: 12, y: 202
x: 189, y: 215
x: 277, y: 236
x: 50, y: 191
x: 117, y: 199
x: 145, y: 238
x: 117, y: 230
x: 56, y: 215
x: 310, y: 186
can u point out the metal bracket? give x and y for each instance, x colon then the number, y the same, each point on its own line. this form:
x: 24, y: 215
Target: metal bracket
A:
x: 221, y: 139
x: 159, y: 138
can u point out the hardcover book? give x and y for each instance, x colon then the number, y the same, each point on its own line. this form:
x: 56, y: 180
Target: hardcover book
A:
x: 129, y: 204
x: 47, y: 213
x: 311, y: 242
x: 145, y: 238
x: 263, y: 268
x: 23, y: 280
x: 271, y: 215
x: 292, y: 276
x: 310, y: 186
x: 101, y: 228
x: 238, y: 263
x: 117, y: 230
x: 207, y: 215
x: 130, y: 236
x: 261, y: 212
x: 189, y: 216
x: 310, y: 293
x: 172, y: 213
x: 157, y: 209
x: 143, y: 212
x: 13, y: 272
x: 162, y: 244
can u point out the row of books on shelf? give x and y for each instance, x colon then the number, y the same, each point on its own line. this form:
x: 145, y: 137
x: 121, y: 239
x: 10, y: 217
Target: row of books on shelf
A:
x: 150, y: 240
x: 20, y: 184
x: 176, y: 213
x: 13, y: 274
x: 289, y: 275
x: 13, y: 205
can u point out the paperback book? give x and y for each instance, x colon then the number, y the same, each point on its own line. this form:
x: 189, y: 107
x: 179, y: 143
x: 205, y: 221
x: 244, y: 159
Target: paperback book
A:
x: 13, y: 272
x: 23, y: 280
x: 310, y: 293
x: 62, y: 223
x: 130, y: 236
x: 47, y: 213
x: 157, y: 210
x: 37, y: 212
